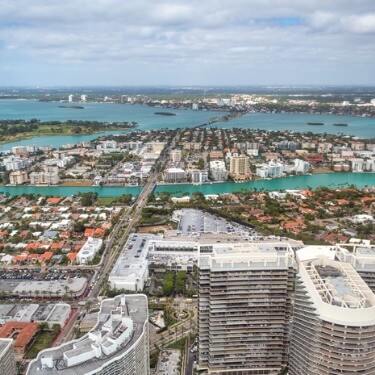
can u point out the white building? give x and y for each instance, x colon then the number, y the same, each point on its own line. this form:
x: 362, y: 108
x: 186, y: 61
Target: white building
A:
x: 174, y: 175
x: 89, y: 250
x: 198, y: 176
x: 275, y: 169
x: 218, y: 170
x: 131, y: 269
x: 70, y: 98
x: 13, y: 163
x: 334, y: 317
x: 84, y: 98
x: 118, y: 344
x: 301, y: 166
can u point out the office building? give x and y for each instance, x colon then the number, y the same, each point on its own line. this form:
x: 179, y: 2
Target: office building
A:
x: 244, y: 307
x: 118, y: 344
x: 333, y: 329
x: 7, y: 360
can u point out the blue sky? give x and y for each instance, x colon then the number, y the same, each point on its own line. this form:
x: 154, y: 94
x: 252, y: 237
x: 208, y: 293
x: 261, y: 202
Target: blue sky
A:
x: 196, y: 42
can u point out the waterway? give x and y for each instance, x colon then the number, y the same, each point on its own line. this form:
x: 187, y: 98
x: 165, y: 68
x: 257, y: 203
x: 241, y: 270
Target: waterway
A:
x: 331, y: 180
x: 56, y: 141
x: 362, y: 127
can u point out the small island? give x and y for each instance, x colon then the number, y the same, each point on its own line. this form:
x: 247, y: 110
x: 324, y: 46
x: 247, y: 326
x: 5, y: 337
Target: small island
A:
x: 72, y: 106
x: 315, y: 123
x: 340, y: 125
x: 165, y: 114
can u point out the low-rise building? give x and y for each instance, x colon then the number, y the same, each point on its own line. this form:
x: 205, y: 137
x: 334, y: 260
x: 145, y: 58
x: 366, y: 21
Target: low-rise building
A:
x: 89, y: 250
x: 23, y: 333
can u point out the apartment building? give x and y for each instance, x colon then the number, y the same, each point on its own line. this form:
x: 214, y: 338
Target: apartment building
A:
x: 244, y: 308
x: 118, y: 344
x: 18, y: 177
x: 333, y: 329
x: 239, y: 167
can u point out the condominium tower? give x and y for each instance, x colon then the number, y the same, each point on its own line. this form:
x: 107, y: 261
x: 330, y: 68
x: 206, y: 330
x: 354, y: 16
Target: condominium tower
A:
x: 333, y: 329
x: 244, y: 308
x: 239, y: 167
x: 7, y: 360
x: 118, y: 344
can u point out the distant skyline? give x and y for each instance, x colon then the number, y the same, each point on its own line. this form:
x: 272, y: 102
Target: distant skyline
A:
x: 193, y: 43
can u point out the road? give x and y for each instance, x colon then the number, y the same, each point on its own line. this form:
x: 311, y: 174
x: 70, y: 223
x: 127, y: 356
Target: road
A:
x: 126, y: 223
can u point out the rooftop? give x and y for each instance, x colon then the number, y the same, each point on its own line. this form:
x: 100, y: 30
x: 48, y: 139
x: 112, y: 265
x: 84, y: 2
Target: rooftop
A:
x: 244, y: 256
x: 133, y: 258
x: 339, y: 284
x: 120, y: 323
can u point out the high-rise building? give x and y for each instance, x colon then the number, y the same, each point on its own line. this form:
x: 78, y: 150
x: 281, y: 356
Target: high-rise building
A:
x: 244, y: 308
x: 333, y: 329
x: 70, y: 98
x: 239, y: 167
x: 7, y: 360
x: 118, y: 344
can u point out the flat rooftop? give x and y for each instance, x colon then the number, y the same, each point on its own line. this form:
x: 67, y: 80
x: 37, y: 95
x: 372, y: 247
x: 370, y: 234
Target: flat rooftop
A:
x: 192, y: 222
x: 133, y: 258
x: 245, y: 256
x: 17, y: 286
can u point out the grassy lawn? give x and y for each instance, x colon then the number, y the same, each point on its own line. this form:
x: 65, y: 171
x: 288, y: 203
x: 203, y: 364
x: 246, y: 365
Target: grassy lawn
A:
x: 179, y: 344
x: 76, y: 183
x: 43, y: 340
x: 106, y: 201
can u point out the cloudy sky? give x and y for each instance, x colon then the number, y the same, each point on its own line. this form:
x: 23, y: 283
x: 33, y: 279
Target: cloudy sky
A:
x: 192, y: 42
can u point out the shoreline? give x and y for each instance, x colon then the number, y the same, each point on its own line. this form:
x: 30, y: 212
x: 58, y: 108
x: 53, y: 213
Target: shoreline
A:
x: 63, y: 134
x: 86, y: 184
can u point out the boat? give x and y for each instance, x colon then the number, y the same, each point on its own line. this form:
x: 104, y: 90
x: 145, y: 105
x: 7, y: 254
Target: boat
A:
x: 315, y: 123
x: 340, y: 125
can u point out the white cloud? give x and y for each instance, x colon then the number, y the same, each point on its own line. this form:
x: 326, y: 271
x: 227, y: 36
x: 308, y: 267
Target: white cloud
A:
x: 191, y: 35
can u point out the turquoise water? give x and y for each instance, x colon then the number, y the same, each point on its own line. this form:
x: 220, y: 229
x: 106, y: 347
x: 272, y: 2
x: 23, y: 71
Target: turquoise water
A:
x: 298, y: 182
x: 111, y: 112
x: 57, y: 140
x: 362, y: 127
